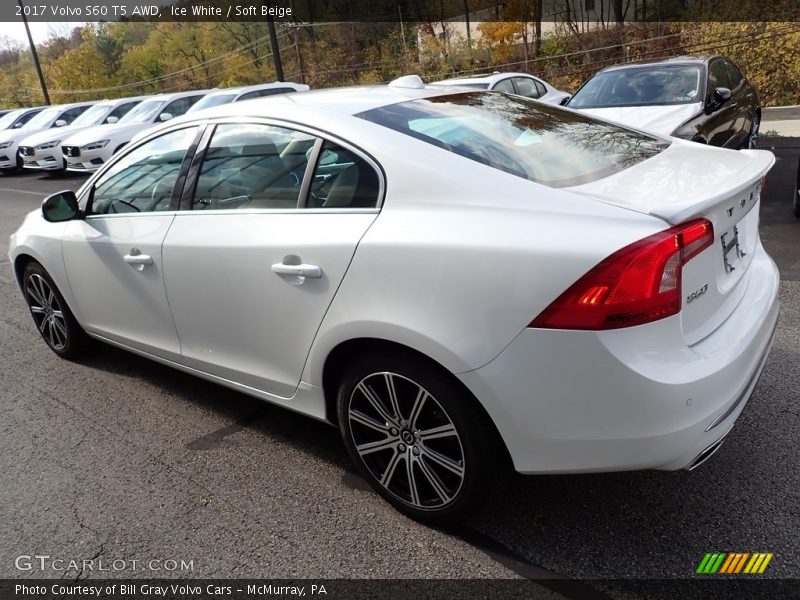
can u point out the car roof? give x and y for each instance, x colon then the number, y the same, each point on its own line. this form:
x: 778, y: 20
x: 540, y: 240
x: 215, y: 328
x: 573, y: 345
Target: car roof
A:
x: 675, y: 60
x: 483, y: 78
x: 251, y: 88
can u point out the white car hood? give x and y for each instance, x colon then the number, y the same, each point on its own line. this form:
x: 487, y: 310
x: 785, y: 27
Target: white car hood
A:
x: 46, y: 135
x: 117, y: 131
x: 15, y: 135
x: 661, y: 120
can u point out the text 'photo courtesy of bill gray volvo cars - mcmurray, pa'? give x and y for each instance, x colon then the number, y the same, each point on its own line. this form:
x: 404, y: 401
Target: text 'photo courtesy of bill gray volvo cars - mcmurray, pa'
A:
x: 583, y: 297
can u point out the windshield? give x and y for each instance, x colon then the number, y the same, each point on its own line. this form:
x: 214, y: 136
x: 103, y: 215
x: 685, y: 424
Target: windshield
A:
x: 43, y: 119
x: 143, y: 112
x: 213, y: 100
x: 651, y: 85
x: 8, y: 119
x: 92, y: 116
x: 523, y: 137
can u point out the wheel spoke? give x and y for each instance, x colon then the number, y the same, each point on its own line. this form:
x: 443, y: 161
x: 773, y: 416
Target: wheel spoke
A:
x: 392, y: 396
x: 44, y: 324
x: 359, y: 417
x: 371, y: 447
x: 51, y: 332
x: 438, y: 432
x: 419, y: 402
x: 390, y: 469
x: 412, y: 482
x: 443, y: 461
x: 434, y: 481
x: 37, y: 310
x: 375, y: 402
x: 60, y: 327
x: 34, y: 293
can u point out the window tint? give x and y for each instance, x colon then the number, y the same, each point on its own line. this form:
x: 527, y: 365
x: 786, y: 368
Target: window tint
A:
x: 142, y: 181
x: 274, y: 91
x: 524, y: 138
x: 342, y: 179
x: 526, y: 87
x: 504, y: 85
x: 717, y: 77
x: 26, y: 118
x: 252, y: 166
x: 734, y: 75
x: 179, y: 107
x: 122, y: 110
x: 541, y: 88
x: 73, y: 113
x: 651, y: 85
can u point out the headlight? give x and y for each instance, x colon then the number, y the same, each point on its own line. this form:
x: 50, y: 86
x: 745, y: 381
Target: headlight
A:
x: 95, y: 145
x: 5, y: 145
x: 48, y: 145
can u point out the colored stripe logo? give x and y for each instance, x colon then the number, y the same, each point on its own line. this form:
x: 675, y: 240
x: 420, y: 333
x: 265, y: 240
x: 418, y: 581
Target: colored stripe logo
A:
x: 734, y: 562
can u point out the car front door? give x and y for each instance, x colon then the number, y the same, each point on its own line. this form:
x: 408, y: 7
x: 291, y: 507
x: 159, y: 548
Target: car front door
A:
x: 719, y: 128
x: 744, y: 103
x: 113, y: 256
x: 253, y: 262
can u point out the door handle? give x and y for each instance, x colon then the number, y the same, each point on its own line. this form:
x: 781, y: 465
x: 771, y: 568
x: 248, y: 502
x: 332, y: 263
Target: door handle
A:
x: 138, y: 260
x: 302, y: 270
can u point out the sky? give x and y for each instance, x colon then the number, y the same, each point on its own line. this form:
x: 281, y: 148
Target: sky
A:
x: 39, y: 31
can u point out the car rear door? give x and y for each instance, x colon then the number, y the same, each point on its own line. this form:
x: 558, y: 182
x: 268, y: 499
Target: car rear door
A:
x: 272, y: 217
x: 113, y: 256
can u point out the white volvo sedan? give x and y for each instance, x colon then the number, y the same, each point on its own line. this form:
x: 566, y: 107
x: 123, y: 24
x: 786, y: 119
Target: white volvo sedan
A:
x: 454, y: 278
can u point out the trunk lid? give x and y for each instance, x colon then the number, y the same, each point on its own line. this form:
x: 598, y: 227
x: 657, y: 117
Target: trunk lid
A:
x: 690, y: 181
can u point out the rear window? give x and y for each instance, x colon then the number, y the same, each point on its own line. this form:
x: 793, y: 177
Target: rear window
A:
x: 528, y: 139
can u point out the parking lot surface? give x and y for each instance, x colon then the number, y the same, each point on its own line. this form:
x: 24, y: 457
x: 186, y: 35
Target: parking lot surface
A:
x: 117, y: 457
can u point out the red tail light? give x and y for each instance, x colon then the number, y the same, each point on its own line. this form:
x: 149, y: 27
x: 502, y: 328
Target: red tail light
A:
x: 638, y: 284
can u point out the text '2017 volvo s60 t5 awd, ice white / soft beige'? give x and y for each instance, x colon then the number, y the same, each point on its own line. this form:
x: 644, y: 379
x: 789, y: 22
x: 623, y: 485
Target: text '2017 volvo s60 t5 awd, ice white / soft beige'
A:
x: 454, y: 278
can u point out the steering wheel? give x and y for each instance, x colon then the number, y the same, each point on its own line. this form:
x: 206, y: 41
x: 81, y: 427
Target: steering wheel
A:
x: 154, y: 200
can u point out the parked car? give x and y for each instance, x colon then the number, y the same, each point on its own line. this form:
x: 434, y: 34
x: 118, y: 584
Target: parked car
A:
x: 520, y: 84
x: 16, y: 119
x: 50, y: 117
x: 89, y: 149
x: 581, y: 298
x: 42, y: 150
x: 249, y: 92
x: 704, y: 99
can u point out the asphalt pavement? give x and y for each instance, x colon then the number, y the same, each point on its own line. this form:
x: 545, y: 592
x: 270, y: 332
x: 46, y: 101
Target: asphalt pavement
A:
x: 117, y: 457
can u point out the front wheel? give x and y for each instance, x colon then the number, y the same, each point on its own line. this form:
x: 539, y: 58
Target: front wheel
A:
x: 417, y: 436
x: 51, y: 315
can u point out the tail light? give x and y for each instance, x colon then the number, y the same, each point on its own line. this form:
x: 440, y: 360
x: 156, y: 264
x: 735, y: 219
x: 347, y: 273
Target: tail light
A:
x: 638, y: 284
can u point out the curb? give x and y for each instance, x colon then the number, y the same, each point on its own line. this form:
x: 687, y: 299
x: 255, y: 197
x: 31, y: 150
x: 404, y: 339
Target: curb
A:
x: 769, y: 143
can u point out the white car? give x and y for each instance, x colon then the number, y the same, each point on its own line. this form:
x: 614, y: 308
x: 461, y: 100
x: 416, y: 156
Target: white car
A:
x: 520, y: 84
x: 42, y: 150
x: 16, y: 119
x: 250, y: 92
x: 49, y: 118
x: 451, y: 277
x: 90, y: 148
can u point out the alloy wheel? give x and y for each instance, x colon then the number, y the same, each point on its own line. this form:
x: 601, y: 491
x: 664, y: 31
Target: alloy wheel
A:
x: 752, y: 140
x: 407, y: 440
x: 47, y: 312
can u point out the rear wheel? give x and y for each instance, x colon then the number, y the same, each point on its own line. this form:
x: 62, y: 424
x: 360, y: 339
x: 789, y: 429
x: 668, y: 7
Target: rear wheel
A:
x: 51, y: 315
x: 417, y: 436
x: 752, y: 137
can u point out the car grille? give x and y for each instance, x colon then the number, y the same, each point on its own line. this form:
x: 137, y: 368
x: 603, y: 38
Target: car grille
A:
x: 71, y: 151
x: 26, y: 151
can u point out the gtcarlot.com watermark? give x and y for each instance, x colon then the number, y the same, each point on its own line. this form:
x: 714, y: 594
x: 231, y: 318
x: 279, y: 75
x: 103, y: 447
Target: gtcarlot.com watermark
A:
x: 46, y: 563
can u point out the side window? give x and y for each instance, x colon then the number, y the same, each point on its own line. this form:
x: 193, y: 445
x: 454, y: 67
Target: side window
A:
x: 734, y: 75
x: 541, y: 88
x: 178, y: 107
x: 252, y: 166
x: 342, y: 179
x: 73, y: 113
x: 526, y: 87
x: 504, y: 85
x: 25, y: 118
x: 274, y: 91
x: 121, y: 111
x: 248, y: 96
x: 717, y: 77
x: 143, y: 180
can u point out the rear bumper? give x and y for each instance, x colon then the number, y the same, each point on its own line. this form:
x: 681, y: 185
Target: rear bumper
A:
x: 635, y: 398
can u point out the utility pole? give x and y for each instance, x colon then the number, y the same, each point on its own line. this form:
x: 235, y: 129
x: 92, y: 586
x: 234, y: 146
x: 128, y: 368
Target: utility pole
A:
x: 34, y: 53
x: 276, y: 51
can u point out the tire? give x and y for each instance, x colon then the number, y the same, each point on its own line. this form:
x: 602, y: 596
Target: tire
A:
x: 453, y: 468
x: 752, y: 137
x: 51, y: 315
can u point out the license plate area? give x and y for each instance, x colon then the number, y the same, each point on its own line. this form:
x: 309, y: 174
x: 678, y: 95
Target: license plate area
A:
x: 732, y: 252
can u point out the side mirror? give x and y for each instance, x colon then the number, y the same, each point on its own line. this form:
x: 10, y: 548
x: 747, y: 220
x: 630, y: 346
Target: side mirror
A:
x: 112, y: 120
x: 722, y: 95
x: 164, y: 117
x: 60, y: 123
x: 61, y: 206
x: 565, y: 101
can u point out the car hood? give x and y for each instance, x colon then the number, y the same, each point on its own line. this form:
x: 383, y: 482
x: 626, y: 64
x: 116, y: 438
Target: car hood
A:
x: 661, y: 120
x: 117, y: 131
x: 15, y: 135
x: 47, y: 135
